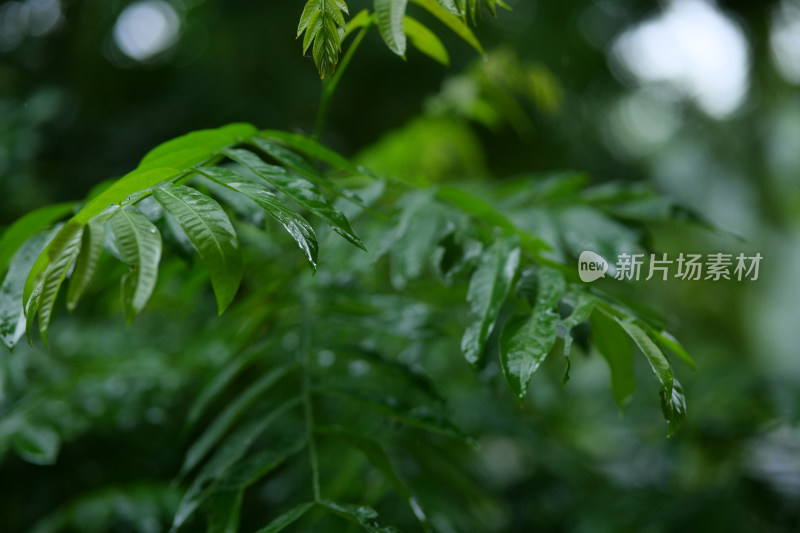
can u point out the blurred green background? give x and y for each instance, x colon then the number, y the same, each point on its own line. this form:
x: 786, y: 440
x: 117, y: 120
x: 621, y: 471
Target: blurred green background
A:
x: 699, y: 99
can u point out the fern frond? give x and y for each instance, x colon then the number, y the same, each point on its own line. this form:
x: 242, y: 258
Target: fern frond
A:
x: 321, y: 20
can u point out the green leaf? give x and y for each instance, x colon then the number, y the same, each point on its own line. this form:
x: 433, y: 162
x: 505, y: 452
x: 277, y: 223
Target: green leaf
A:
x: 139, y: 246
x: 311, y: 148
x: 60, y: 253
x: 12, y: 311
x: 300, y: 230
x: 300, y: 165
x: 228, y: 454
x: 659, y: 364
x: 301, y: 191
x: 38, y: 445
x: 28, y: 226
x: 426, y: 41
x: 582, y: 307
x: 359, y: 514
x: 389, y: 14
x: 451, y: 21
x: 488, y: 289
x: 675, y: 347
x: 613, y: 344
x: 228, y: 417
x: 361, y: 19
x: 673, y: 406
x: 212, y: 235
x: 321, y: 20
x: 527, y: 339
x: 86, y: 264
x: 376, y: 455
x: 188, y: 150
x: 288, y: 518
x: 487, y: 213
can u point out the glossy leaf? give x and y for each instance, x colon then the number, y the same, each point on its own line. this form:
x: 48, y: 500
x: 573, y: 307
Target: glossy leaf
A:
x: 659, y: 364
x: 300, y: 230
x: 12, y: 312
x: 613, y: 344
x: 28, y: 226
x: 86, y: 263
x: 583, y: 305
x: 309, y: 147
x: 424, y: 40
x: 300, y: 165
x: 301, y: 191
x: 389, y: 14
x: 451, y: 21
x: 673, y: 406
x: 212, y: 235
x: 230, y: 415
x: 287, y: 519
x: 60, y: 253
x: 321, y: 20
x: 527, y: 339
x: 488, y: 289
x: 139, y: 246
x: 196, y: 147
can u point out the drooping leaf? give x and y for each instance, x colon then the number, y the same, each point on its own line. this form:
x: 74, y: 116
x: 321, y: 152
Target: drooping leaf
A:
x: 12, y: 312
x: 230, y: 415
x: 300, y: 230
x: 28, y: 226
x: 139, y: 246
x: 321, y: 20
x: 212, y: 235
x: 301, y: 191
x: 583, y: 305
x: 287, y: 519
x: 426, y: 41
x: 673, y: 406
x: 86, y: 264
x: 451, y: 21
x: 527, y: 339
x: 389, y: 14
x: 659, y: 364
x: 488, y: 288
x: 60, y: 254
x: 613, y: 344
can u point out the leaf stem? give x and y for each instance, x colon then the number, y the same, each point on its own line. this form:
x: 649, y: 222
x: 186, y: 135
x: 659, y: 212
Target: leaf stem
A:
x: 329, y: 85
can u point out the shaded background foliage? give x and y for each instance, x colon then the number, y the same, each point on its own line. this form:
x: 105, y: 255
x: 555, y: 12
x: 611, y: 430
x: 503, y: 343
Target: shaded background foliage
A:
x: 74, y: 110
